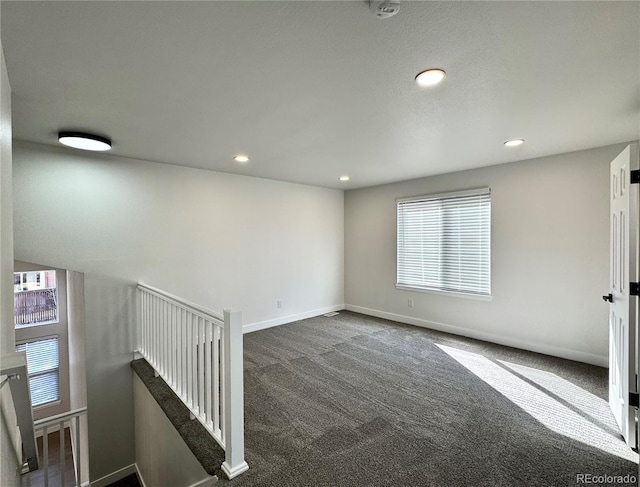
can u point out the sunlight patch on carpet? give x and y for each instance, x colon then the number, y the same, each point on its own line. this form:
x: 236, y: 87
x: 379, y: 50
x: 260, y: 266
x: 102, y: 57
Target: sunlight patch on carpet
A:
x: 587, y: 420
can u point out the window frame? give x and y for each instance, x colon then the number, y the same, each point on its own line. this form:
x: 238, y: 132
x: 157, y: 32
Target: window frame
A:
x: 441, y: 290
x: 41, y: 373
x: 59, y: 328
x: 53, y: 290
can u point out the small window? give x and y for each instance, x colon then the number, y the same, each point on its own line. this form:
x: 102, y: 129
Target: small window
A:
x: 43, y: 369
x: 444, y: 243
x: 35, y: 298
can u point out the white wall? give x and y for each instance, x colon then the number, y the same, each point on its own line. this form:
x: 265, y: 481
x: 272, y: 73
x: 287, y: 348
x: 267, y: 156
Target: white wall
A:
x: 550, y: 253
x: 9, y: 438
x: 162, y: 457
x: 7, y: 339
x: 78, y: 364
x: 216, y: 239
x: 10, y: 444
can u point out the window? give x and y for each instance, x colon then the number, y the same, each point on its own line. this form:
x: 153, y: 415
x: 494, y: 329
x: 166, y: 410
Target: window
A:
x: 444, y: 243
x: 42, y: 368
x: 35, y: 298
x: 39, y: 304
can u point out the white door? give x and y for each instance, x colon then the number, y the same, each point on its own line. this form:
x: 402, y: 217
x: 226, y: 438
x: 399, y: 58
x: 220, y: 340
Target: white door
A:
x: 623, y: 306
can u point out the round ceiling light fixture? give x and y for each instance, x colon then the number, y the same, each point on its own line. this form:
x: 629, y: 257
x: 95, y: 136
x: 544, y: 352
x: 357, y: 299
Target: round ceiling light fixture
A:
x: 80, y: 140
x: 430, y: 77
x: 383, y: 9
x: 241, y: 158
x: 344, y: 178
x: 513, y: 142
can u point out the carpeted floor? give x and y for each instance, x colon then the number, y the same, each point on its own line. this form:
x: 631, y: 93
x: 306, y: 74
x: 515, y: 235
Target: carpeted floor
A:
x: 358, y: 401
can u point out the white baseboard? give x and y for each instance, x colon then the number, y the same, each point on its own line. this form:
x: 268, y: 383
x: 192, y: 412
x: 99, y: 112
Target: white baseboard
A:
x: 140, y: 479
x: 115, y: 476
x: 206, y: 482
x: 565, y: 353
x: 290, y: 318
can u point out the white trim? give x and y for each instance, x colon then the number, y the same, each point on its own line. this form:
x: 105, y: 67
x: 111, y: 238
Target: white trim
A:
x: 115, y: 476
x: 140, y: 479
x: 65, y: 417
x: 450, y: 194
x: 206, y: 482
x: 453, y: 294
x: 206, y: 312
x: 231, y: 473
x: 261, y: 325
x: 51, y: 429
x: 565, y: 353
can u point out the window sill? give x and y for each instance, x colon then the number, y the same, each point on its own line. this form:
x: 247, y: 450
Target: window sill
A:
x: 39, y: 407
x: 453, y: 294
x: 34, y: 325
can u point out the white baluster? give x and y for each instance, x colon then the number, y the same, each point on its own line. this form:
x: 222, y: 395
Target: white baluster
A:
x: 45, y: 448
x: 216, y: 380
x: 201, y: 354
x: 207, y: 371
x: 62, y: 452
x: 194, y: 362
x: 78, y: 453
x: 223, y: 383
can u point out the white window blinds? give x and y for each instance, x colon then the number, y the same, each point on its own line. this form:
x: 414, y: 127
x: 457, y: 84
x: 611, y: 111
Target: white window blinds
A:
x: 42, y: 368
x: 444, y: 242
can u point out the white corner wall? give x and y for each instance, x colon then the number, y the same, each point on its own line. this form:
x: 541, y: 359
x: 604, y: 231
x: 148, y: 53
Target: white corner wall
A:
x: 550, y: 256
x: 163, y: 459
x: 9, y: 435
x: 7, y: 336
x: 216, y: 239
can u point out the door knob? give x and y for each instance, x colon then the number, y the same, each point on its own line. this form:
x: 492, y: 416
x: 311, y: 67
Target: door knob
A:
x: 608, y: 297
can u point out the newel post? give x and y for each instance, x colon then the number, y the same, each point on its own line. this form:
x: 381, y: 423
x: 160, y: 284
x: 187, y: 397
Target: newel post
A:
x: 234, y: 463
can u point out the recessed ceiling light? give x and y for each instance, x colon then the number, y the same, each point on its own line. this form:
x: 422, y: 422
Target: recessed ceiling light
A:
x: 79, y: 140
x: 513, y: 142
x: 241, y: 158
x: 344, y: 178
x: 430, y: 77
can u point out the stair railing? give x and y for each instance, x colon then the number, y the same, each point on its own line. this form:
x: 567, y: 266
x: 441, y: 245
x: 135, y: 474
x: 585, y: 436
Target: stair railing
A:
x: 59, y: 423
x: 198, y: 353
x: 13, y: 370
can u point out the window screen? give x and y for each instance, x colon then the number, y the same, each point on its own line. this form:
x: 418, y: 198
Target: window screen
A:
x: 42, y: 367
x: 444, y: 242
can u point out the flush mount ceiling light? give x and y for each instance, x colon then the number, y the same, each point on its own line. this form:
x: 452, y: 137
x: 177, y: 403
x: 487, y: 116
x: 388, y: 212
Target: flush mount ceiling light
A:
x: 430, y: 77
x: 79, y: 140
x: 385, y: 8
x: 241, y: 158
x: 344, y: 178
x: 513, y: 142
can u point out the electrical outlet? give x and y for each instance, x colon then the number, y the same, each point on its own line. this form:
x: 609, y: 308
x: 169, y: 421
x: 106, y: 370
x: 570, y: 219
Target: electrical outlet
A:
x: 410, y: 303
x: 278, y: 303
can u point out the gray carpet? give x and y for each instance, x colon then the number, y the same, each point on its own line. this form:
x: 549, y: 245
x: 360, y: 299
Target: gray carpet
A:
x: 358, y: 401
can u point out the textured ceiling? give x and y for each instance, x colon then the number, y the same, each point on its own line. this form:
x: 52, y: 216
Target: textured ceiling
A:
x: 314, y: 90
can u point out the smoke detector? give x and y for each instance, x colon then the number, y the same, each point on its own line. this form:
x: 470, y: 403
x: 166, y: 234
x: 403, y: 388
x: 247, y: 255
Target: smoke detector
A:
x: 384, y: 9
